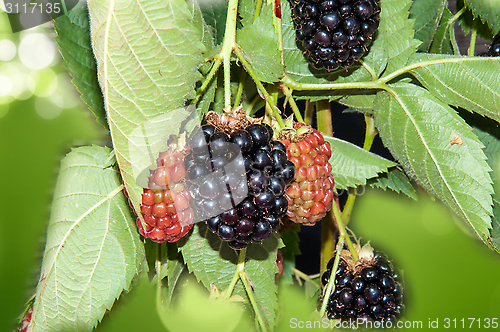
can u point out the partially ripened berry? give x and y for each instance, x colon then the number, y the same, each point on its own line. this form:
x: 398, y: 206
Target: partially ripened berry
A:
x: 241, y: 197
x: 165, y: 207
x: 324, y: 27
x: 365, y: 289
x: 310, y: 195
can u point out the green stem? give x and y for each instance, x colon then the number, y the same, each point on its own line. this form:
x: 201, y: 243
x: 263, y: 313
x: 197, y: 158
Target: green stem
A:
x: 302, y: 275
x: 451, y: 26
x: 331, y: 86
x: 342, y: 231
x: 370, y: 132
x: 249, y: 290
x: 258, y: 7
x: 158, y: 277
x: 208, y: 79
x: 331, y: 282
x: 349, y: 205
x: 240, y: 267
x: 227, y: 48
x: 472, y: 45
x: 239, y: 92
x: 260, y: 87
x: 370, y: 70
x: 328, y: 232
x: 309, y: 112
x: 291, y: 101
x: 324, y: 117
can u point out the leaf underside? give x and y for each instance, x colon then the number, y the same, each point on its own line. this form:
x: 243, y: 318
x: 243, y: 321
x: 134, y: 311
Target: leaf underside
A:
x: 148, y: 53
x: 427, y: 15
x: 93, y: 249
x: 438, y: 150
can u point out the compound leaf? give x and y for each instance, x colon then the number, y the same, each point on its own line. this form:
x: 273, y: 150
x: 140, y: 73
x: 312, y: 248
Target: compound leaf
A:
x: 93, y: 249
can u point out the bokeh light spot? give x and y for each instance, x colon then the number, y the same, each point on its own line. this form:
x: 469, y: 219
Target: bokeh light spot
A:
x: 7, y: 49
x: 46, y: 109
x: 6, y: 85
x: 36, y: 50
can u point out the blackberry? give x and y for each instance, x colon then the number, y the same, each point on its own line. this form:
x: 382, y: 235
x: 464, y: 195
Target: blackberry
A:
x: 366, y: 288
x: 310, y: 195
x: 494, y: 49
x: 165, y: 203
x: 334, y: 33
x: 242, y: 198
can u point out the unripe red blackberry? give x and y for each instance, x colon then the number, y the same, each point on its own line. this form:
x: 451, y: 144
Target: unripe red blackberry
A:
x: 367, y: 288
x: 165, y: 203
x: 238, y: 177
x: 310, y: 195
x: 334, y: 33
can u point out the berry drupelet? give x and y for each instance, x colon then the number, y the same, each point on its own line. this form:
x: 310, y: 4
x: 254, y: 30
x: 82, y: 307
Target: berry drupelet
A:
x: 335, y: 33
x: 238, y: 177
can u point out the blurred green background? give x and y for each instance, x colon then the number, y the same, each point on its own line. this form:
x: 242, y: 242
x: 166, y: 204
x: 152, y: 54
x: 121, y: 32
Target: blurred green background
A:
x: 448, y: 273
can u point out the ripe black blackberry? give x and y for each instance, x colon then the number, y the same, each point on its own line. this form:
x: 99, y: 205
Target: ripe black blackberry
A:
x: 335, y: 33
x: 494, y: 49
x: 238, y: 177
x: 368, y: 288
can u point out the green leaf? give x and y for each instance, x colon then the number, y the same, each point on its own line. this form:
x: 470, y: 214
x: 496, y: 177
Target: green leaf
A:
x: 352, y: 165
x: 396, y: 32
x: 395, y: 180
x: 468, y: 22
x: 360, y: 102
x: 148, y: 53
x: 461, y: 81
x: 213, y: 261
x: 439, y: 150
x: 214, y: 14
x: 259, y: 42
x: 73, y: 38
x: 492, y: 143
x: 442, y: 43
x: 291, y: 241
x: 427, y: 15
x: 488, y: 11
x: 93, y: 249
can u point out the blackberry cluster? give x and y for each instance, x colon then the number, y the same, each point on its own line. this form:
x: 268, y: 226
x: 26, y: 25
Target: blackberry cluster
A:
x: 494, y: 49
x: 165, y: 203
x: 335, y: 33
x: 238, y: 182
x: 372, y: 291
x: 310, y: 195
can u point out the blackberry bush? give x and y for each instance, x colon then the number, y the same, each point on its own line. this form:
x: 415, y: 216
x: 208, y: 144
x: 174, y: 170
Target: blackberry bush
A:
x: 427, y: 120
x: 335, y: 33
